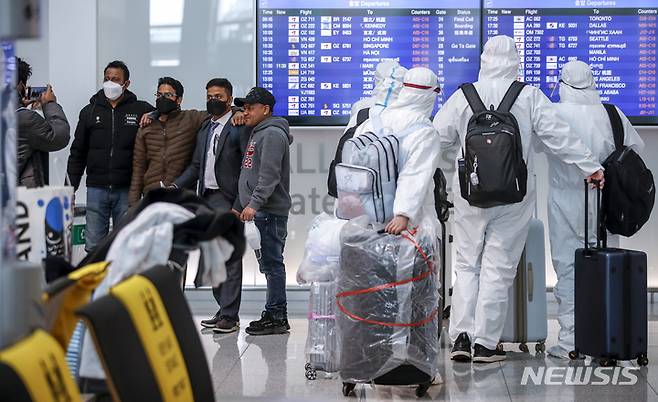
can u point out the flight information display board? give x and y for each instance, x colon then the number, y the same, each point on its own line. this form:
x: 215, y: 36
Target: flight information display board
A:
x: 319, y: 57
x: 617, y: 38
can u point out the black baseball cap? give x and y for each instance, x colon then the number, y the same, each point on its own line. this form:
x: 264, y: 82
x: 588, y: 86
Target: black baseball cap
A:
x: 256, y: 95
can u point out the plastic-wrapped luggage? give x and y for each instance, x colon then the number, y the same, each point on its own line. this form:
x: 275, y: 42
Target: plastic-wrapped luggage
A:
x: 388, y: 302
x: 320, y: 263
x: 322, y: 349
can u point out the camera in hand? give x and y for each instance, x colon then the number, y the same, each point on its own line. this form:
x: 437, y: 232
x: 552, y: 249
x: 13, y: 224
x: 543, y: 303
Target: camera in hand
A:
x: 36, y: 92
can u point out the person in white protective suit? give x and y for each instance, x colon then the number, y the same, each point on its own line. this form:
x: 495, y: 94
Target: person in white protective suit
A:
x: 388, y: 83
x: 489, y: 241
x: 419, y: 150
x: 580, y: 107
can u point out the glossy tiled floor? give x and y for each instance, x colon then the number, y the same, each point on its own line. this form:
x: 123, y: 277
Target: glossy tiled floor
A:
x: 271, y: 368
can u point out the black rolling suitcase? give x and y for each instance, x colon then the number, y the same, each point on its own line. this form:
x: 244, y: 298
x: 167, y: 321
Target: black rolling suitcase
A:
x: 611, y: 300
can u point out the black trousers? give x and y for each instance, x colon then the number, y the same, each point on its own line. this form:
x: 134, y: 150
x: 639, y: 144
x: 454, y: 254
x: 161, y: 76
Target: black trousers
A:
x: 228, y: 294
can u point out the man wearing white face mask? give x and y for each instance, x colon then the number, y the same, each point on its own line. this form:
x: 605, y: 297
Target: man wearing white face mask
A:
x: 103, y: 145
x: 580, y: 107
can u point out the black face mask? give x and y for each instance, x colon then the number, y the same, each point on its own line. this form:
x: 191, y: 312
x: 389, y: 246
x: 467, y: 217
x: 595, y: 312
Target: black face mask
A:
x: 216, y: 107
x: 165, y: 106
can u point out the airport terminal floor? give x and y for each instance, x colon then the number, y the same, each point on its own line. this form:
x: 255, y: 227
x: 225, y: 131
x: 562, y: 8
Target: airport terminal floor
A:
x: 248, y: 368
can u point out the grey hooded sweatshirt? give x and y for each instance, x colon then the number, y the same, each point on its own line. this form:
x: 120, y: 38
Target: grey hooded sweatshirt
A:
x: 264, y: 183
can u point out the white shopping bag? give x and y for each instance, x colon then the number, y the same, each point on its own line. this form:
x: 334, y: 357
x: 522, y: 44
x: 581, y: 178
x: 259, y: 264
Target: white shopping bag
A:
x: 44, y: 219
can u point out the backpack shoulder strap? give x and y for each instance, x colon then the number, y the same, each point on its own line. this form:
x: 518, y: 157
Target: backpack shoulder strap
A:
x: 510, y: 96
x: 362, y: 116
x: 472, y: 97
x: 617, y: 125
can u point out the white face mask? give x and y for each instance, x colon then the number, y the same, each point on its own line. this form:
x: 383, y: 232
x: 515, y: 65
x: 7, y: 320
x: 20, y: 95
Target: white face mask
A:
x: 112, y: 90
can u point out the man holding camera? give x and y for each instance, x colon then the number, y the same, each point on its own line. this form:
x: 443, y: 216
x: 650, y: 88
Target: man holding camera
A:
x: 37, y: 135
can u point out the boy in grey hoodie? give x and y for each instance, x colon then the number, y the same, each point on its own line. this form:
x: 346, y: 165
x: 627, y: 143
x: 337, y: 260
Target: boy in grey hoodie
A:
x: 264, y: 191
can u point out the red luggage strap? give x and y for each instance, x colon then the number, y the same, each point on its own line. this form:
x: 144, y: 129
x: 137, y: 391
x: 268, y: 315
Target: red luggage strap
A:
x: 389, y: 285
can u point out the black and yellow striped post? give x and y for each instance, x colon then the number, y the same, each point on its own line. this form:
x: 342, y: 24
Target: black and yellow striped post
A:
x: 34, y: 370
x: 147, y: 341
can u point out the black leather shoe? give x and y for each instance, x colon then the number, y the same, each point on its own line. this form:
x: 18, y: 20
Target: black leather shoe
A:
x: 211, y: 322
x: 226, y: 325
x: 484, y: 355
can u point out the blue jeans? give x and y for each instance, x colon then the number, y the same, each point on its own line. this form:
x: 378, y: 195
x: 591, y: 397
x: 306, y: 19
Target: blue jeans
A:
x: 273, y: 232
x: 102, y: 204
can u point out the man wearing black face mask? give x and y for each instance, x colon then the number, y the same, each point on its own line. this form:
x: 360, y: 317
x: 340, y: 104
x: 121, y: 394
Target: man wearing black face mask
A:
x: 164, y: 149
x: 216, y: 168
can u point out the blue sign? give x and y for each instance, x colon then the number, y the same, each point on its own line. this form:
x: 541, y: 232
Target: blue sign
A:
x: 318, y: 59
x: 618, y: 39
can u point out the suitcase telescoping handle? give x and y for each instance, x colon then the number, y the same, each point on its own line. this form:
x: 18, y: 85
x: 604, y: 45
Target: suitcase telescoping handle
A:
x: 599, y: 230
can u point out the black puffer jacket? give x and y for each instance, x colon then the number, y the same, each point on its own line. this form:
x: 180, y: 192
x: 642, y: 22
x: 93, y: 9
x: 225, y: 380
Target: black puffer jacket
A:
x: 104, y: 141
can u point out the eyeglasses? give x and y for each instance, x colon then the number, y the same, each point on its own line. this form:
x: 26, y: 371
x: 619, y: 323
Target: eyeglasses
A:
x: 168, y: 95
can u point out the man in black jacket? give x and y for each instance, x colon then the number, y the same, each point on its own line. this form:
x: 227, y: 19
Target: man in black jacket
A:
x: 103, y: 145
x: 215, y: 166
x: 37, y: 135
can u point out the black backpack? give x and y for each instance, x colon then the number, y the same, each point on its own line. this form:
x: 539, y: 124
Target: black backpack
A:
x: 441, y: 203
x: 492, y: 170
x: 629, y: 191
x: 361, y: 117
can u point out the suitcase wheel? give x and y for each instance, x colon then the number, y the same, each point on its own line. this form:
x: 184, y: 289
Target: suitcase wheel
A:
x: 311, y: 374
x: 348, y: 388
x: 524, y: 348
x: 607, y: 362
x: 573, y: 355
x: 422, y: 389
x: 642, y: 361
x: 540, y: 347
x: 500, y: 347
x: 308, y: 366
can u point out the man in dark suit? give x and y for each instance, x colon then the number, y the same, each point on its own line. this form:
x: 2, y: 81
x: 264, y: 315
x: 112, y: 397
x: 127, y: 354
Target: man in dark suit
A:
x: 215, y: 166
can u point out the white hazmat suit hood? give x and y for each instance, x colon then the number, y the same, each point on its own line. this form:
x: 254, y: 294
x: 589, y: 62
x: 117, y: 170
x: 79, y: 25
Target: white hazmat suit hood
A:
x: 500, y: 59
x: 389, y: 75
x: 577, y: 85
x: 580, y: 107
x: 419, y: 150
x: 489, y: 241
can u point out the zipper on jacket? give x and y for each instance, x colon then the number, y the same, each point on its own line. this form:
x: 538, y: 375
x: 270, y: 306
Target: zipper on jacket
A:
x: 164, y: 153
x: 109, y: 172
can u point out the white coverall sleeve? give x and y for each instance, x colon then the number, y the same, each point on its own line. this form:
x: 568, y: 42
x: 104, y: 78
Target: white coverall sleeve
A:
x: 632, y: 138
x: 554, y: 133
x: 445, y: 124
x: 417, y: 174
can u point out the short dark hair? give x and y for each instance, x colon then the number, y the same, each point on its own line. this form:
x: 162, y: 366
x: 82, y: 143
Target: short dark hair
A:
x: 121, y: 65
x: 222, y: 83
x: 24, y: 70
x: 178, y: 87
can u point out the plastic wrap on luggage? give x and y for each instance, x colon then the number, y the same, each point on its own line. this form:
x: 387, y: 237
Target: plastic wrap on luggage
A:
x: 321, y: 258
x: 322, y: 348
x: 387, y: 300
